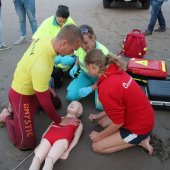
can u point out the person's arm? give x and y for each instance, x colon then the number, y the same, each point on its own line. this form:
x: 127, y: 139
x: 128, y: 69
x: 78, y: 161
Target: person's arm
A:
x: 95, y: 117
x: 94, y: 86
x: 74, y: 141
x: 46, y: 103
x: 74, y: 69
x: 83, y: 92
x: 77, y: 61
x: 111, y: 129
x: 66, y: 60
x: 47, y: 129
x: 112, y: 101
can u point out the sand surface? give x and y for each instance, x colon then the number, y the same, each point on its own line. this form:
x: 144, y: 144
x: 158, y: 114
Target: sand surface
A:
x: 111, y: 27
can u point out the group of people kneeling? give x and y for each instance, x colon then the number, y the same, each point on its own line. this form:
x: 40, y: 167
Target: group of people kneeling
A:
x: 127, y: 117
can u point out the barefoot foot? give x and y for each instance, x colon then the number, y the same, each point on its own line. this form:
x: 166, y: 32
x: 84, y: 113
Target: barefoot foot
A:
x: 3, y: 115
x: 10, y: 110
x: 145, y: 144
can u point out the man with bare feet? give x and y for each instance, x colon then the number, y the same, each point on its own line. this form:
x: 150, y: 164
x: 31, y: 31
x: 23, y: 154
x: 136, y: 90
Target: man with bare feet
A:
x: 30, y: 87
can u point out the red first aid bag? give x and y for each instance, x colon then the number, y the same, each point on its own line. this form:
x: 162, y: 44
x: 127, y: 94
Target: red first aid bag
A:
x: 145, y: 69
x: 134, y: 46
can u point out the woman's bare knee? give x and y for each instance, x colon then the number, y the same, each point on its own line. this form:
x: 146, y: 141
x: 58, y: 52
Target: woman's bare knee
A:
x: 100, y: 123
x: 104, y: 122
x: 96, y: 148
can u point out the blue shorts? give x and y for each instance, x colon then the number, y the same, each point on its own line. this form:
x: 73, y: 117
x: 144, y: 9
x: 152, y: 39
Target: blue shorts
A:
x: 132, y: 138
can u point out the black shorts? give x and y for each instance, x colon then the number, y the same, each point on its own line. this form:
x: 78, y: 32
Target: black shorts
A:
x: 132, y: 138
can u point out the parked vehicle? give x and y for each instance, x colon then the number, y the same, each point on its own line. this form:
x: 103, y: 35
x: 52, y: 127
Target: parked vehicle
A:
x: 145, y: 3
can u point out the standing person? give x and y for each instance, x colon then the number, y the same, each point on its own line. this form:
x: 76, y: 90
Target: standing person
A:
x: 58, y: 141
x: 23, y: 8
x: 128, y: 117
x: 156, y: 14
x: 30, y: 86
x: 84, y: 84
x: 2, y: 45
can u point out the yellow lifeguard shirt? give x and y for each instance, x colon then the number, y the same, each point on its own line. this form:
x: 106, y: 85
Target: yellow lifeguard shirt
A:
x: 34, y: 70
x: 49, y: 28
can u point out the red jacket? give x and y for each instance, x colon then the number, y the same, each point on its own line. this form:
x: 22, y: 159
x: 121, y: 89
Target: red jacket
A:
x: 124, y: 101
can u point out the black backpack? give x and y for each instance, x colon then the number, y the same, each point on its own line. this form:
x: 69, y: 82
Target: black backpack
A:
x: 56, y: 78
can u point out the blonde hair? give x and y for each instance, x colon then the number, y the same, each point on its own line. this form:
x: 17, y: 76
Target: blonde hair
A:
x: 96, y: 56
x: 71, y: 33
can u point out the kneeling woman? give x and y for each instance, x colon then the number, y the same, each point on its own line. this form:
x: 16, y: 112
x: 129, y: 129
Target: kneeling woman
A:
x: 128, y: 117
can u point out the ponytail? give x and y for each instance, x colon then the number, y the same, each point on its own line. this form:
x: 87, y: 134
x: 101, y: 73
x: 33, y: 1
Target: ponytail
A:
x: 96, y: 56
x: 111, y: 58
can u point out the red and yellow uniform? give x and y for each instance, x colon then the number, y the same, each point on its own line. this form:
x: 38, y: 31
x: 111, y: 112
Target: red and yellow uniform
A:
x: 34, y: 70
x: 29, y: 91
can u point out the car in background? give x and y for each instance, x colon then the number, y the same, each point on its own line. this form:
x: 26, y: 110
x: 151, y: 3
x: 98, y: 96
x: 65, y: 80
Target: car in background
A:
x: 145, y: 3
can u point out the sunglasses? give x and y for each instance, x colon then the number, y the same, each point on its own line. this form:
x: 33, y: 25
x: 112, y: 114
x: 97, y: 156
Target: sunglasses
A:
x: 84, y: 30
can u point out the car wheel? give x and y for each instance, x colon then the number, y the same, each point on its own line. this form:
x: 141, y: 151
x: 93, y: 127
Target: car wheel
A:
x: 106, y: 3
x: 145, y: 4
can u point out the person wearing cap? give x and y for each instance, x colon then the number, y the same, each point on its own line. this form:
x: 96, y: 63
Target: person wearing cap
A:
x: 83, y: 83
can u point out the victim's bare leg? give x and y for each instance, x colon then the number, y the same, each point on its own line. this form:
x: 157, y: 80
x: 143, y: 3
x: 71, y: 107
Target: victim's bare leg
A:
x: 40, y: 154
x: 56, y: 151
x: 5, y: 112
x: 104, y: 121
x: 3, y: 115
